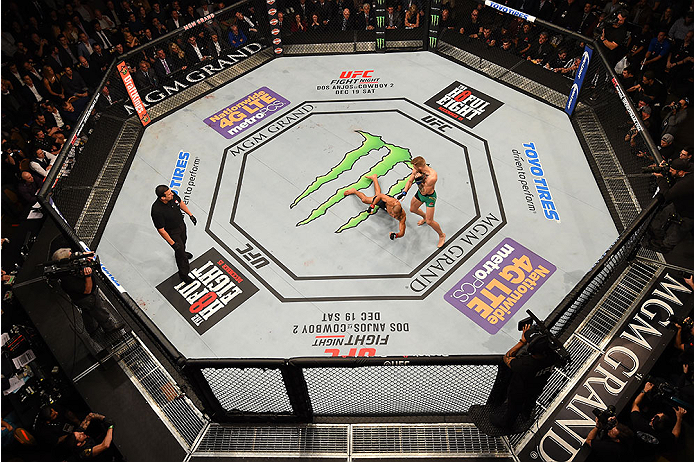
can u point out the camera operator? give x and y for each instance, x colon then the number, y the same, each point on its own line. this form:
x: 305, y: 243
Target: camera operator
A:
x: 673, y: 115
x: 83, y: 291
x: 86, y: 447
x: 610, y: 440
x: 657, y: 435
x: 684, y: 339
x: 675, y: 220
x: 528, y: 372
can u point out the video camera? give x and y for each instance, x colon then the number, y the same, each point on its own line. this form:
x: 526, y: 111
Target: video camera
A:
x: 74, y: 265
x: 662, y: 169
x: 686, y: 323
x: 605, y: 421
x: 537, y: 333
x: 665, y: 393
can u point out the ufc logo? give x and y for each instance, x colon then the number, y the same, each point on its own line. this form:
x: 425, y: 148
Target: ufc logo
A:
x: 355, y: 74
x: 435, y: 123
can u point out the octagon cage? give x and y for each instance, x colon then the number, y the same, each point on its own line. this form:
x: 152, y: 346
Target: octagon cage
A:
x: 82, y: 188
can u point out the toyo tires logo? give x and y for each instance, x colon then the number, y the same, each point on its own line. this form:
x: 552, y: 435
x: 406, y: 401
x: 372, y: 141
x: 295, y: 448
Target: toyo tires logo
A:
x: 371, y: 144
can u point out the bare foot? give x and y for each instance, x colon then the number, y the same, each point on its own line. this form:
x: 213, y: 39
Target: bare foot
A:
x: 442, y: 240
x: 421, y: 222
x: 350, y: 191
x: 371, y: 177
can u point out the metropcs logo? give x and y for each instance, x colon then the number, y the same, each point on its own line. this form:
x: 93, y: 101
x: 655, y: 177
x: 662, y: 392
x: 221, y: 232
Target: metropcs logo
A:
x: 371, y: 143
x: 464, y: 104
x: 217, y: 289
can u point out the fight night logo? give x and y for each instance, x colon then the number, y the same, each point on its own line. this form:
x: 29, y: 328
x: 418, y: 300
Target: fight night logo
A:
x: 217, y: 289
x: 464, y: 104
x: 371, y: 143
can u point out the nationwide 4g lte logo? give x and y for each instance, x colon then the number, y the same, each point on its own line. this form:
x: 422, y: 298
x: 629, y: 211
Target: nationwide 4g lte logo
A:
x: 464, y: 104
x: 217, y: 289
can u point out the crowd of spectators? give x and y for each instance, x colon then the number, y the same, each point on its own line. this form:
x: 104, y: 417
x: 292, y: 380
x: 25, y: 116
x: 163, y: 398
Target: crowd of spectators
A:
x: 652, y: 426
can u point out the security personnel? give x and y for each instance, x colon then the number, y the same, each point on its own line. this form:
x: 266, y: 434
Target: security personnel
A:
x: 167, y: 218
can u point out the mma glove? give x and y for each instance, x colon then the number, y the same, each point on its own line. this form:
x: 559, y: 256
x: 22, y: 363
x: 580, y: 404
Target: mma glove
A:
x: 194, y: 220
x: 401, y: 195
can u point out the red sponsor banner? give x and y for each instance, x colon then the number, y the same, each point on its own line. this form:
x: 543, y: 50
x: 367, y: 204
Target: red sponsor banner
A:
x: 132, y: 93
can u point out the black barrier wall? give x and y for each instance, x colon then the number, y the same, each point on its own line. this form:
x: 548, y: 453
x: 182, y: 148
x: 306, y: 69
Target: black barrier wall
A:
x: 528, y: 54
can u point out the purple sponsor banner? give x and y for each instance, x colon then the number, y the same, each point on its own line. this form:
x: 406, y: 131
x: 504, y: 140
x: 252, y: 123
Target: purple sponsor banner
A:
x: 246, y: 112
x: 496, y: 288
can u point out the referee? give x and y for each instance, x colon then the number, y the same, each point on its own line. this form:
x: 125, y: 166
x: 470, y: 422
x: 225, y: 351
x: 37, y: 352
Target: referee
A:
x: 167, y: 218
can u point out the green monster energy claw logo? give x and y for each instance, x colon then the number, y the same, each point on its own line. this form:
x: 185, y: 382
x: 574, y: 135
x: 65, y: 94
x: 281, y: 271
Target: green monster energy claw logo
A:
x: 380, y: 43
x: 434, y: 19
x: 432, y: 42
x: 394, y: 156
x: 380, y: 20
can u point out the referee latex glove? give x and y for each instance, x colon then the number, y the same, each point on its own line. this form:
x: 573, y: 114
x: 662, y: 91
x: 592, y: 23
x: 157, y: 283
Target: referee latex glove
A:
x: 401, y: 195
x: 194, y: 220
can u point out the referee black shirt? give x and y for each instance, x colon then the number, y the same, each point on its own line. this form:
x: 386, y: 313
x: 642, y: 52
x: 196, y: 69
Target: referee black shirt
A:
x: 169, y: 215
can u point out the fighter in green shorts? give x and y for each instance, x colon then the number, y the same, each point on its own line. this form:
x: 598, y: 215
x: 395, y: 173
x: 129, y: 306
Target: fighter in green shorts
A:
x: 425, y: 177
x: 428, y: 199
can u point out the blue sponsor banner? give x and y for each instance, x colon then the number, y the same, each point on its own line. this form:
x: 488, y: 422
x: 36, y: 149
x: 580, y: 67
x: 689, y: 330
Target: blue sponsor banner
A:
x: 578, y: 80
x: 511, y: 11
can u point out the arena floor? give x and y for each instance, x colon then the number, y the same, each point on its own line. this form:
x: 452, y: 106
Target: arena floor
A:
x: 286, y: 265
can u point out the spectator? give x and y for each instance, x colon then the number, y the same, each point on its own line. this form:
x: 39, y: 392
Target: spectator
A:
x: 650, y: 90
x: 42, y: 161
x: 31, y: 93
x: 178, y: 57
x: 90, y: 75
x: 656, y: 56
x: 163, y: 66
x: 145, y: 78
x: 345, y: 23
x: 366, y: 19
x: 412, y: 17
x: 84, y: 47
x: 54, y: 118
x: 216, y: 47
x: 394, y: 18
x: 324, y: 10
x: 641, y: 13
x: 299, y: 24
x: 561, y: 63
x: 588, y: 20
x: 175, y: 21
x: 27, y: 189
x: 105, y: 21
x: 158, y: 28
x: 195, y: 51
x: 568, y: 14
x: 73, y: 84
x: 236, y: 37
x: 68, y: 56
x: 540, y: 51
x: 52, y: 84
x: 99, y: 60
x: 682, y: 27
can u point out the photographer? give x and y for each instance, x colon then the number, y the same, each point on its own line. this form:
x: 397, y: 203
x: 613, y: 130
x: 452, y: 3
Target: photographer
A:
x: 657, y: 435
x: 86, y: 447
x: 523, y: 377
x: 673, y: 115
x: 610, y: 440
x: 684, y: 339
x: 675, y: 220
x: 83, y: 291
